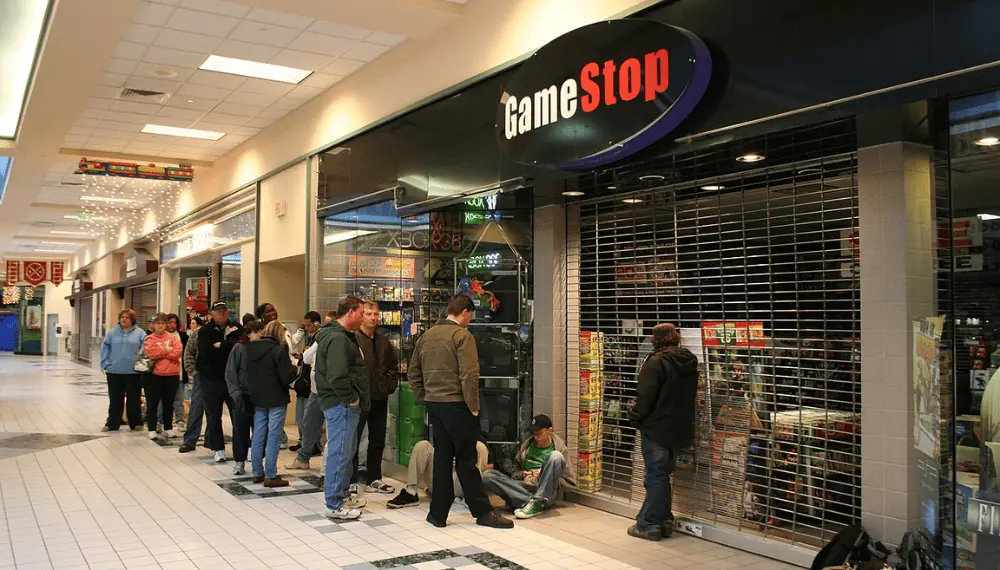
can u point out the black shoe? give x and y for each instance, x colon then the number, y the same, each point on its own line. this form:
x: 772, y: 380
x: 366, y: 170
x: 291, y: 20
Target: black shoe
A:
x: 185, y: 448
x: 653, y: 534
x: 317, y: 452
x: 295, y: 447
x: 494, y: 520
x: 435, y: 522
x: 403, y: 499
x: 667, y: 529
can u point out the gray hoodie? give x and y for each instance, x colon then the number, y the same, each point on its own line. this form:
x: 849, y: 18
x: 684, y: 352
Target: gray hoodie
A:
x: 569, y: 472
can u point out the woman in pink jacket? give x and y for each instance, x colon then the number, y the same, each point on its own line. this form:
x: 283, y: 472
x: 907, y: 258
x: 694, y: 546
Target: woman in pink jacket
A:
x: 162, y: 383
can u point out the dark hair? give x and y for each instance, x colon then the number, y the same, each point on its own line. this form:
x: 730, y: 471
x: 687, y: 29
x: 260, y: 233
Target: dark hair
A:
x: 255, y: 325
x: 347, y: 304
x: 131, y: 315
x: 198, y: 319
x: 261, y: 309
x: 248, y: 318
x: 458, y: 304
x: 665, y: 335
x: 313, y: 316
x: 175, y: 318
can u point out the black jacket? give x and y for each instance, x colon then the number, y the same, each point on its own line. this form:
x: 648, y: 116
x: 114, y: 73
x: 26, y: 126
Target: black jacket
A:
x: 211, y: 363
x: 383, y: 367
x: 269, y: 373
x: 665, y: 398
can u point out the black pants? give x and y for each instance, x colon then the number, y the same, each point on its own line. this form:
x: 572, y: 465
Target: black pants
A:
x: 216, y: 394
x: 124, y: 390
x: 454, y: 431
x: 375, y: 418
x: 242, y: 425
x: 160, y: 389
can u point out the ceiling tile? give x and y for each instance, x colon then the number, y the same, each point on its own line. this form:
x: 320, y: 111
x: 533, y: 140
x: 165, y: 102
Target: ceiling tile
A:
x: 149, y: 84
x: 152, y: 14
x: 253, y: 99
x: 74, y: 142
x: 126, y: 117
x: 201, y: 23
x: 112, y: 79
x: 220, y: 7
x: 321, y: 80
x: 234, y: 140
x: 140, y: 33
x: 273, y: 113
x: 133, y: 107
x: 366, y: 51
x: 259, y: 122
x: 203, y: 92
x: 80, y: 131
x: 245, y: 131
x: 213, y: 79
x: 192, y: 104
x: 198, y: 43
x: 154, y: 70
x: 122, y: 66
x: 343, y: 67
x: 302, y: 92
x: 319, y: 43
x: 266, y: 34
x: 179, y: 113
x: 93, y: 113
x: 264, y: 87
x: 171, y: 2
x: 217, y: 127
x: 224, y: 119
x: 130, y: 50
x: 248, y: 51
x: 236, y: 109
x: 279, y: 18
x: 115, y: 125
x: 86, y: 123
x: 288, y: 103
x: 301, y: 60
x: 105, y: 92
x: 385, y: 39
x: 339, y: 30
x: 173, y: 57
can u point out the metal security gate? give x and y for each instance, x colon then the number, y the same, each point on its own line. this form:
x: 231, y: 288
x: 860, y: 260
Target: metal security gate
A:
x: 144, y: 302
x: 758, y: 268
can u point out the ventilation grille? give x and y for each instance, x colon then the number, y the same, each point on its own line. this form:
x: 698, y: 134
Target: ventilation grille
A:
x: 142, y: 95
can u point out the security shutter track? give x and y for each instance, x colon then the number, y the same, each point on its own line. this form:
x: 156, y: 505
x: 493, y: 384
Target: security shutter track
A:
x: 144, y: 303
x: 758, y: 268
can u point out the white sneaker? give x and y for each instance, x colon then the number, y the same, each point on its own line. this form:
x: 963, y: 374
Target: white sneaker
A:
x: 172, y: 434
x: 353, y: 502
x: 220, y: 456
x: 240, y: 468
x: 343, y: 514
x: 151, y: 435
x: 354, y: 490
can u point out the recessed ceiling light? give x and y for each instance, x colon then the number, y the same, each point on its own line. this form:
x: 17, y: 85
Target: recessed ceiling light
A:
x: 987, y: 141
x: 750, y: 157
x: 164, y: 72
x: 989, y: 217
x: 713, y: 187
x: 612, y: 187
x: 23, y: 24
x: 632, y: 200
x: 179, y: 132
x: 64, y: 233
x: 572, y: 193
x: 190, y: 100
x: 255, y: 69
x: 652, y: 177
x: 104, y: 199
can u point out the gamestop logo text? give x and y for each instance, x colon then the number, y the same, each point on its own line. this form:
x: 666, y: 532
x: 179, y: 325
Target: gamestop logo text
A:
x: 601, y: 85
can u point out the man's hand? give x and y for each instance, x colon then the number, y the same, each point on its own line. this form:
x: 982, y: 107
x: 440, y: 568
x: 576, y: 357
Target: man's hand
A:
x: 517, y: 475
x: 476, y: 413
x: 230, y: 330
x: 217, y: 345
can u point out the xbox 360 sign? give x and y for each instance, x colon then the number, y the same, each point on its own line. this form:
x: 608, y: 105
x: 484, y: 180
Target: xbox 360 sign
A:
x: 601, y: 93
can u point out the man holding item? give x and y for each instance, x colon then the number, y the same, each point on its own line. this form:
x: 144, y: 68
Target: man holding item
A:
x: 444, y: 375
x: 543, y: 460
x: 383, y: 373
x: 215, y: 341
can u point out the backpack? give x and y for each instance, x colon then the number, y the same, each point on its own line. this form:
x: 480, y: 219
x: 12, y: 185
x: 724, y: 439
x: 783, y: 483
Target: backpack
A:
x: 847, y: 546
x: 302, y: 384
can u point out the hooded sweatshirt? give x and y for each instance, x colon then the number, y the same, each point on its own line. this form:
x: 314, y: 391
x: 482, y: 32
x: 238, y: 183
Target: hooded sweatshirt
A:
x: 665, y: 397
x: 341, y: 375
x: 166, y: 350
x: 269, y: 372
x: 119, y: 349
x: 569, y: 471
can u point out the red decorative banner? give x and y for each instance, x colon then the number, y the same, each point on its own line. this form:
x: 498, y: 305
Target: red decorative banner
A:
x: 56, y: 272
x: 35, y: 272
x: 13, y: 273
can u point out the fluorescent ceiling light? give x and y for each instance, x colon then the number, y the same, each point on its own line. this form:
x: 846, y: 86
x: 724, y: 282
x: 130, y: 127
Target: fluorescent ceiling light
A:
x: 255, y: 69
x: 152, y: 129
x: 21, y: 25
x: 104, y: 199
x: 572, y: 193
x: 632, y: 200
x: 989, y: 217
x: 58, y: 243
x: 63, y: 233
x: 713, y: 187
x: 52, y: 251
x: 337, y: 237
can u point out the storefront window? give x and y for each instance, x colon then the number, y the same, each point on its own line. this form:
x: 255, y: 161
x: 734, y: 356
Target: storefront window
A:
x: 22, y: 320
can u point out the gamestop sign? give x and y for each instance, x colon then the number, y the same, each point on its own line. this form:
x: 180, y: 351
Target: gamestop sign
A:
x: 601, y: 93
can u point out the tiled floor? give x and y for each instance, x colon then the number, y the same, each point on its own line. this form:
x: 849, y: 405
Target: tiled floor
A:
x: 75, y: 498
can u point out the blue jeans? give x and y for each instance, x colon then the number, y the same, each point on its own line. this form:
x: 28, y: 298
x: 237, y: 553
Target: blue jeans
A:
x: 341, y: 439
x: 517, y: 493
x: 267, y: 425
x: 312, y: 427
x: 657, y: 508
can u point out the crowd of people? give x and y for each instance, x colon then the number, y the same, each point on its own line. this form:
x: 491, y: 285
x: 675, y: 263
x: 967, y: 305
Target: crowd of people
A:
x: 343, y: 372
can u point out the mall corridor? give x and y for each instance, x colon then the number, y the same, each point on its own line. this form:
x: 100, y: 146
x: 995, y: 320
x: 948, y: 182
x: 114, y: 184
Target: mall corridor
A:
x: 74, y: 498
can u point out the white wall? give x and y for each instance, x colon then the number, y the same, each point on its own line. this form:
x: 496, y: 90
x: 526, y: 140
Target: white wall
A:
x: 56, y: 304
x: 248, y: 283
x: 284, y: 236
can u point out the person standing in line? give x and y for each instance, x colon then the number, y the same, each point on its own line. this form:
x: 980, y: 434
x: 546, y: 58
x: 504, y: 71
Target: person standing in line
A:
x: 342, y: 385
x: 118, y: 352
x: 312, y: 418
x: 196, y: 410
x: 664, y: 414
x: 173, y: 328
x: 383, y: 374
x: 267, y: 313
x: 269, y: 373
x: 311, y: 323
x: 161, y: 383
x: 444, y: 375
x: 215, y: 342
x: 241, y: 392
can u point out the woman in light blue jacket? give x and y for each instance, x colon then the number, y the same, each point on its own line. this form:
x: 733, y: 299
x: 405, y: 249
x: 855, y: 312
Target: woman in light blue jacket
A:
x: 124, y: 383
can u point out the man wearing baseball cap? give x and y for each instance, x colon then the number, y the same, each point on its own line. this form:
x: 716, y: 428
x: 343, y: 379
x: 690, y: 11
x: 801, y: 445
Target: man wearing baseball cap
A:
x: 543, y: 461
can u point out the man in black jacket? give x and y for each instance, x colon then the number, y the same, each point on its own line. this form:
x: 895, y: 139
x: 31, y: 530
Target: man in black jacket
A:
x: 215, y: 342
x: 383, y: 375
x: 664, y: 414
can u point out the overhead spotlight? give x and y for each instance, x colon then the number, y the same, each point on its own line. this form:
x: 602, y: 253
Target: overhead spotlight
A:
x: 632, y: 200
x: 713, y: 187
x: 612, y: 187
x: 572, y: 193
x: 987, y: 141
x: 750, y: 157
x: 652, y: 177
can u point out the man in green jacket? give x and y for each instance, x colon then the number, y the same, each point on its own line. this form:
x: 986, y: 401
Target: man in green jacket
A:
x: 342, y: 386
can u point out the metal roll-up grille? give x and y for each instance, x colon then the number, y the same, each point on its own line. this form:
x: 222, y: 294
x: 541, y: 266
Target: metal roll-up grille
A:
x: 758, y: 268
x: 144, y: 303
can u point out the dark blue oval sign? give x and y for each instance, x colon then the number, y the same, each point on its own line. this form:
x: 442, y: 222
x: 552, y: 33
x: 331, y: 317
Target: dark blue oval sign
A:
x: 601, y: 93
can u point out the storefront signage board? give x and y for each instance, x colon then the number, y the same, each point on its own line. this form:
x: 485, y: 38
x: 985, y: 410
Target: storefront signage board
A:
x: 601, y: 93
x: 384, y: 267
x: 738, y: 334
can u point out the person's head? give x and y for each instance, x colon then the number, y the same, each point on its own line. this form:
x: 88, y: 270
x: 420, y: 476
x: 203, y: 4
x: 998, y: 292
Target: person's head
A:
x: 350, y: 312
x: 275, y: 330
x: 330, y: 317
x: 159, y: 325
x: 247, y: 319
x: 220, y: 314
x: 126, y: 319
x: 460, y: 310
x: 542, y: 430
x: 665, y: 335
x: 267, y: 313
x: 173, y: 323
x: 371, y: 315
x: 195, y: 323
x: 254, y: 329
x: 311, y: 322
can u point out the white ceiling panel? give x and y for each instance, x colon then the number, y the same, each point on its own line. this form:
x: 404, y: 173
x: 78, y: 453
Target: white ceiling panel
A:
x: 221, y: 8
x: 200, y: 104
x: 213, y: 79
x: 152, y: 14
x: 155, y: 70
x: 178, y: 113
x: 150, y: 84
x: 259, y: 122
x: 267, y: 34
x: 131, y: 118
x: 322, y: 44
x: 237, y: 109
x: 185, y: 41
x: 322, y: 80
x: 134, y: 107
x: 343, y: 67
x: 95, y: 103
x: 366, y: 51
x: 279, y: 19
x: 130, y: 50
x: 253, y: 99
x: 123, y: 66
x: 302, y: 92
x: 339, y: 30
x: 224, y: 119
x: 104, y: 92
x: 202, y: 23
x: 245, y: 131
x: 140, y: 33
x: 288, y: 103
x: 173, y: 57
x: 112, y: 79
x: 273, y: 113
x: 209, y: 126
x: 262, y: 87
x: 121, y: 126
x: 203, y: 92
x: 93, y: 113
x: 301, y: 60
x: 244, y: 50
x: 86, y: 123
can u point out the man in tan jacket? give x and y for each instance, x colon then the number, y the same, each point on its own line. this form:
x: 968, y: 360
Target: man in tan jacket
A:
x: 444, y: 375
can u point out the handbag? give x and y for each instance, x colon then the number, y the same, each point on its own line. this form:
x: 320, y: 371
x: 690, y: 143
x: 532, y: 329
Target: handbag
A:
x: 142, y: 363
x: 302, y: 385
